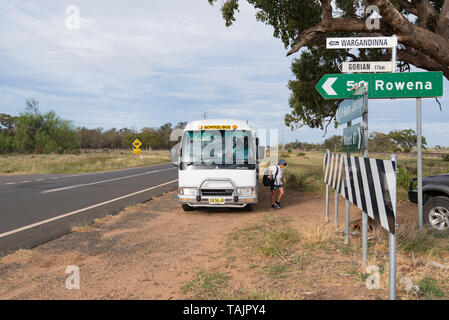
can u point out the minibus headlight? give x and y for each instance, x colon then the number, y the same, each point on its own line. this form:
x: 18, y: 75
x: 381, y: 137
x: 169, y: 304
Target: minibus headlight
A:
x: 248, y: 191
x: 188, y: 191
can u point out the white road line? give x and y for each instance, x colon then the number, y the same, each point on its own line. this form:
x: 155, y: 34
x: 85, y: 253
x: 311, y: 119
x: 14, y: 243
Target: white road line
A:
x: 81, y: 210
x: 11, y: 183
x: 38, y: 179
x: 103, y: 181
x: 118, y: 170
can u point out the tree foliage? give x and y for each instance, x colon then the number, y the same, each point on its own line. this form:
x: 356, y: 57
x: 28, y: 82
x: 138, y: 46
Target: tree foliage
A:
x: 42, y: 132
x: 394, y: 141
x: 422, y: 27
x: 334, y: 143
x: 36, y: 132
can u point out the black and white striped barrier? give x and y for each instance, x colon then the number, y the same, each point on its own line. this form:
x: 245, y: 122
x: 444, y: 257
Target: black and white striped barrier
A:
x: 369, y: 184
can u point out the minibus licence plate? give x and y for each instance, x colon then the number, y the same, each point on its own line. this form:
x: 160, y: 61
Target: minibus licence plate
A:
x: 216, y: 201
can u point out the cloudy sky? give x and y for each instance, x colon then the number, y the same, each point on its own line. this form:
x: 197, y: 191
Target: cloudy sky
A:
x: 143, y: 63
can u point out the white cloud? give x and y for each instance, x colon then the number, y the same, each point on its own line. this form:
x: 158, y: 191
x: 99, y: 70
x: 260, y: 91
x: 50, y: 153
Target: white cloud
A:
x: 143, y: 63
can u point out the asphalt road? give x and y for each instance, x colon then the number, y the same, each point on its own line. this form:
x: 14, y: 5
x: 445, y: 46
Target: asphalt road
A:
x: 37, y: 208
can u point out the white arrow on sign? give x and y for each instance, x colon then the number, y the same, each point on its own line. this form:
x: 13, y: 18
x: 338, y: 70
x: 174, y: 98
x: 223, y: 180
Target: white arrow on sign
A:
x: 367, y: 66
x: 327, y: 86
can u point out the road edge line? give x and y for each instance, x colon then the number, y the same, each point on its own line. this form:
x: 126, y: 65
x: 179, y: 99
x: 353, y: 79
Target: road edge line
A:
x: 2, y: 235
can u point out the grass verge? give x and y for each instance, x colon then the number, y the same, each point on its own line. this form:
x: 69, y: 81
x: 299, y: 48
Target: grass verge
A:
x: 78, y: 163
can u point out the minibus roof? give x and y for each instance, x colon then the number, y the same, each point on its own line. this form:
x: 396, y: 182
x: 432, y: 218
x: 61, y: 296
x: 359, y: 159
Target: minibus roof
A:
x: 218, y: 124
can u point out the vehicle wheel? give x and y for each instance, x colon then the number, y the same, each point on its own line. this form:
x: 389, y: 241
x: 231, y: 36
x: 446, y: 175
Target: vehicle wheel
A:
x: 436, y: 213
x: 186, y: 207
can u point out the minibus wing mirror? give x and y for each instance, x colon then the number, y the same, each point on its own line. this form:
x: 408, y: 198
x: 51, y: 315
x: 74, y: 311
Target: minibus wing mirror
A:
x: 261, y: 153
x: 174, y: 155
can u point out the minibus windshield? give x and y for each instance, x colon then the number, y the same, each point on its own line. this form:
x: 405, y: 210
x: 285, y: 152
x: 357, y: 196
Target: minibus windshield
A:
x: 227, y: 149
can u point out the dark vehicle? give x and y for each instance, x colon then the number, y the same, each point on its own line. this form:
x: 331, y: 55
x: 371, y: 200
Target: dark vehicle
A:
x: 435, y: 200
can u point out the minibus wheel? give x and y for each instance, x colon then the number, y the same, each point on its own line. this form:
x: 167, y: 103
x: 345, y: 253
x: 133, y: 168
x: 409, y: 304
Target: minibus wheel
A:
x: 186, y: 207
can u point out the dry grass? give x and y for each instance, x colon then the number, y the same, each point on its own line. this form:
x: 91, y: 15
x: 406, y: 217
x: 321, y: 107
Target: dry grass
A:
x: 285, y: 249
x: 82, y: 229
x: 78, y: 163
x: 417, y: 260
x: 316, y: 234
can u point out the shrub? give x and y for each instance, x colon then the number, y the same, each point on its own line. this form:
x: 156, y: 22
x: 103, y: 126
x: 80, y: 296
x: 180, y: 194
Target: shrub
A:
x: 295, y: 181
x: 404, y: 177
x: 445, y: 157
x: 430, y: 286
x: 6, y: 143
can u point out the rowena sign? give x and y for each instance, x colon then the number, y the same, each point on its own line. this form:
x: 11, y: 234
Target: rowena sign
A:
x: 383, y: 85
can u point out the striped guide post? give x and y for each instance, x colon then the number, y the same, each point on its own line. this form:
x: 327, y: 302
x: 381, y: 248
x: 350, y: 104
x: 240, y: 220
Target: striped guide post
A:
x: 326, y: 172
x: 369, y: 184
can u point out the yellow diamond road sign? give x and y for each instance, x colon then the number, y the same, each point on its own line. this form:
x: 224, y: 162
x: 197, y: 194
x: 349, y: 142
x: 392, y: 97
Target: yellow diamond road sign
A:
x: 137, y: 144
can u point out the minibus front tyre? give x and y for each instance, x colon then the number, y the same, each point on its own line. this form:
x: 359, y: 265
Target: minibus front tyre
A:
x: 249, y: 207
x: 186, y: 207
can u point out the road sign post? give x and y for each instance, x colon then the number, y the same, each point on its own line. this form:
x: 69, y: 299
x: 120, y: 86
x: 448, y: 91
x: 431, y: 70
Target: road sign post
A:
x: 365, y: 154
x: 336, y: 209
x: 393, y: 85
x: 392, y: 241
x: 394, y: 52
x: 327, y: 192
x: 419, y: 165
x: 346, y: 221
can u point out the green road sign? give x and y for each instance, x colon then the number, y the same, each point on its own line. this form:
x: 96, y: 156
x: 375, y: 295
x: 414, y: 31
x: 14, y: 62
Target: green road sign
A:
x: 383, y: 85
x: 350, y: 109
x: 352, y: 138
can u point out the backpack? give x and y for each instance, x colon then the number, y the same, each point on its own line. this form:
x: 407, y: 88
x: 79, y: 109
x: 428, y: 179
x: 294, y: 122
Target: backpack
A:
x: 267, y: 182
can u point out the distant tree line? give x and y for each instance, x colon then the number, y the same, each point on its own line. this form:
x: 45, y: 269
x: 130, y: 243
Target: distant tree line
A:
x: 394, y: 141
x: 35, y: 132
x: 151, y: 138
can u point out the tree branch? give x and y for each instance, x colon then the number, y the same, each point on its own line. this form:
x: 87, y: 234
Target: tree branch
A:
x: 430, y: 49
x: 335, y: 24
x: 443, y: 21
x: 430, y: 43
x: 327, y: 9
x: 410, y: 7
x: 420, y: 60
x: 426, y: 13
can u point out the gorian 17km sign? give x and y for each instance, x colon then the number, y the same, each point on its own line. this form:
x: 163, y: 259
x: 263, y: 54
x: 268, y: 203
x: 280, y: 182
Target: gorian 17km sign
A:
x: 369, y: 66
